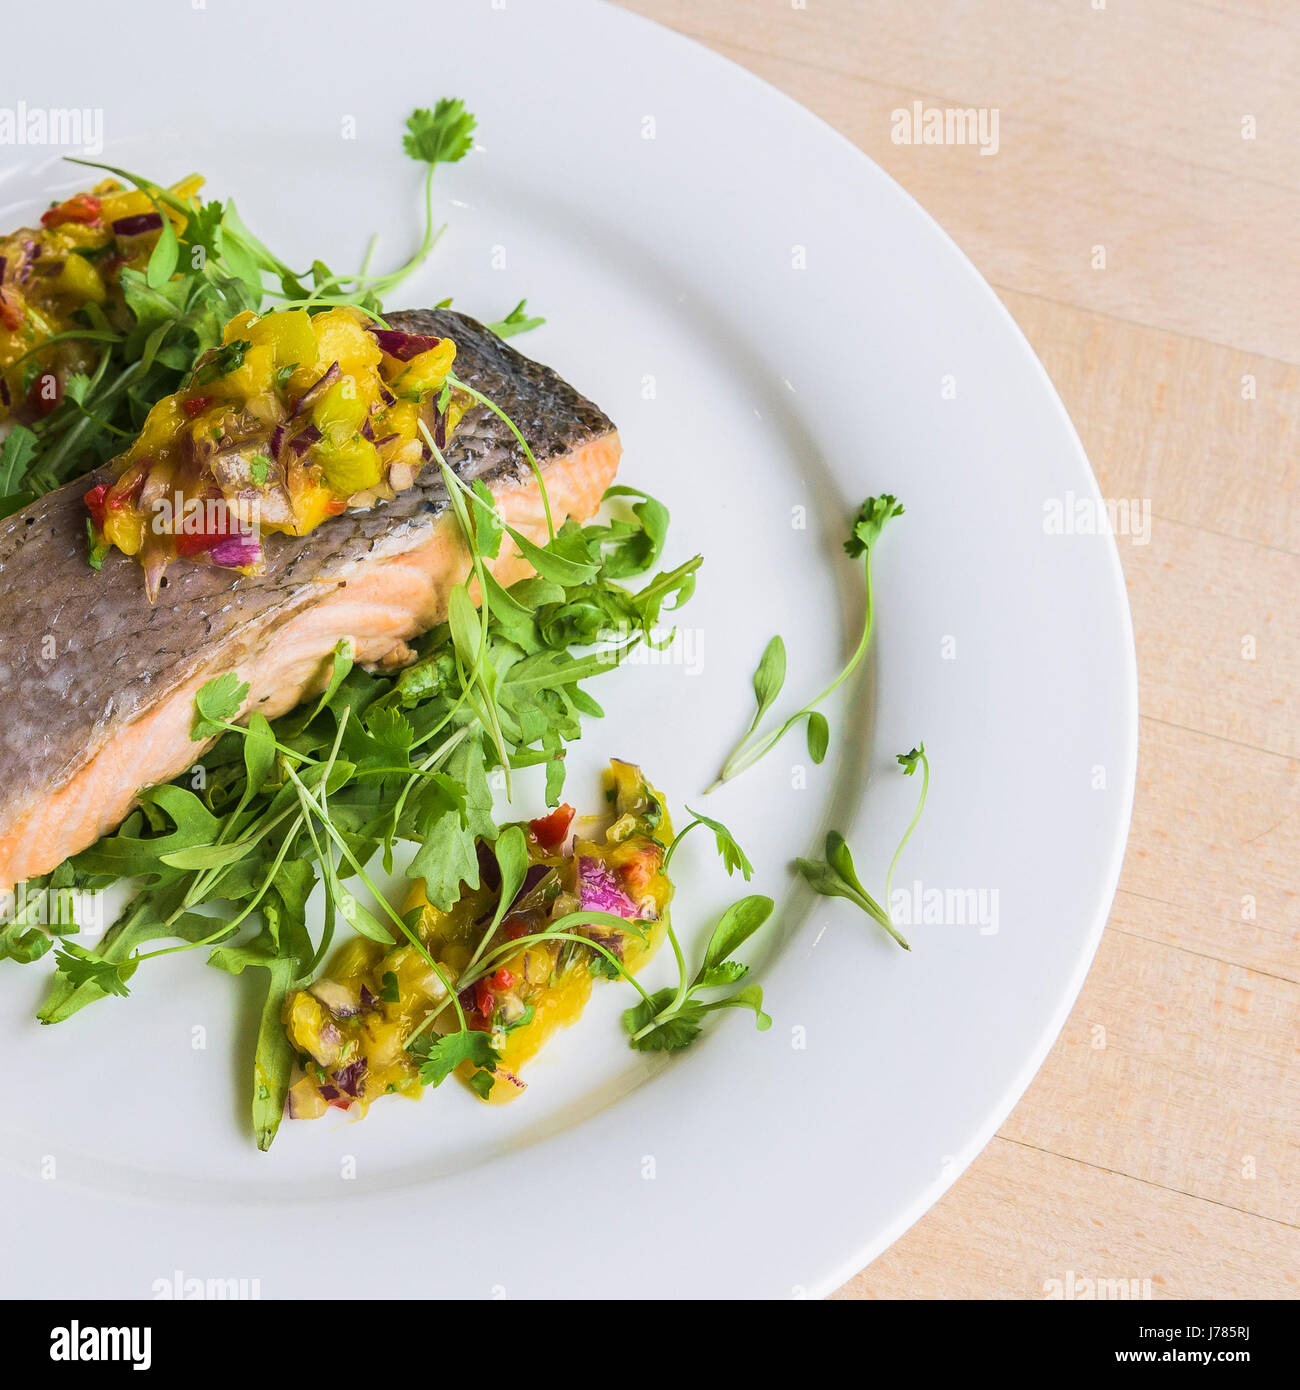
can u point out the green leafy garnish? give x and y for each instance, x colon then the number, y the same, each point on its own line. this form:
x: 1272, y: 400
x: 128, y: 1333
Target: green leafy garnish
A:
x: 516, y: 321
x: 374, y: 762
x: 836, y: 877
x: 769, y: 678
x: 671, y: 1019
x: 441, y: 136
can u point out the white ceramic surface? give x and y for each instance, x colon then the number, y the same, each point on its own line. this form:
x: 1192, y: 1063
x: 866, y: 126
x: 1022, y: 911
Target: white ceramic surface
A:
x: 771, y: 321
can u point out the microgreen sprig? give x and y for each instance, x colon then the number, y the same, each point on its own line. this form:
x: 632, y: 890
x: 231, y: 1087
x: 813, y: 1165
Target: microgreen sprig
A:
x: 769, y: 677
x: 836, y: 877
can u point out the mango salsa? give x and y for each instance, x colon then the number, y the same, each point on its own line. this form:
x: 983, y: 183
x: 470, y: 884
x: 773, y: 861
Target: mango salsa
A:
x: 48, y: 274
x: 294, y: 418
x: 362, y: 1029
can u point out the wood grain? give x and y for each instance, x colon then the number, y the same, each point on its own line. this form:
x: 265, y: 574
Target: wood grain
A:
x: 1159, y: 1141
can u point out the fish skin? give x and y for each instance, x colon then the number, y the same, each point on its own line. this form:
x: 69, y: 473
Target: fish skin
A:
x: 115, y: 658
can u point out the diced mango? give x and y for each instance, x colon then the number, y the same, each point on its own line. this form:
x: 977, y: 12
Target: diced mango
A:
x: 255, y: 375
x: 81, y: 280
x: 124, y: 529
x: 288, y: 334
x: 342, y: 338
x: 160, y: 428
x: 342, y: 408
x: 426, y: 372
x: 238, y: 327
x: 352, y: 466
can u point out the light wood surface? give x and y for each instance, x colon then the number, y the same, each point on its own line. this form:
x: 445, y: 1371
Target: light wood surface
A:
x: 1161, y: 1140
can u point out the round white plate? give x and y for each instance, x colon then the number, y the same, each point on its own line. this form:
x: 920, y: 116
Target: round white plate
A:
x: 773, y: 323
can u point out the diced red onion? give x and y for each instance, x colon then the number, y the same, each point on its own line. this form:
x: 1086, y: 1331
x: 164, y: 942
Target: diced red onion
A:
x: 336, y: 997
x: 352, y: 1078
x: 600, y: 891
x: 303, y: 441
x: 316, y: 390
x: 236, y: 552
x: 139, y: 224
x: 403, y: 346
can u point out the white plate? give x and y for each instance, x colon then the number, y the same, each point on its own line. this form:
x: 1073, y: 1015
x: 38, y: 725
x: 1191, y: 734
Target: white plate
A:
x: 756, y: 383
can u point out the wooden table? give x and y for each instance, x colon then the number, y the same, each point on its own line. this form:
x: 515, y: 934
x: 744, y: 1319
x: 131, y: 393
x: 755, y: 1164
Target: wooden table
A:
x: 1161, y: 1140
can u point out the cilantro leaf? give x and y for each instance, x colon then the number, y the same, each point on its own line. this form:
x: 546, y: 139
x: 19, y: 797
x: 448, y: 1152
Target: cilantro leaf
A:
x: 870, y: 522
x: 647, y: 1033
x: 733, y: 857
x: 443, y: 1055
x: 79, y: 967
x: 217, y: 703
x: 441, y: 136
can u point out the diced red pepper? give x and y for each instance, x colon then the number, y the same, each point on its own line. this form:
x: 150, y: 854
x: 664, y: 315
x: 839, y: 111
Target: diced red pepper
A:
x: 94, y: 500
x: 81, y: 207
x: 549, y: 831
x: 196, y: 542
x: 503, y: 979
x: 517, y: 926
x: 196, y: 405
x: 484, y: 1001
x: 11, y: 314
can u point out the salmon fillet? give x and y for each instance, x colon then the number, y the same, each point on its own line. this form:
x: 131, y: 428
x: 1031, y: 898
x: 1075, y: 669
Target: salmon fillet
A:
x: 101, y: 685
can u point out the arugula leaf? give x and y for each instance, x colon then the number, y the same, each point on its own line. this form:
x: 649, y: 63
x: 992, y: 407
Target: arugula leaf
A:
x: 15, y: 455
